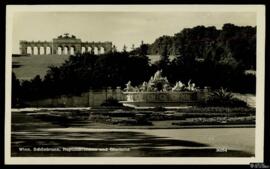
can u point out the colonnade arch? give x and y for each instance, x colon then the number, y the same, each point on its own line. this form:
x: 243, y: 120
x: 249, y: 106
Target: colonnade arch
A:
x: 59, y: 50
x: 89, y: 49
x: 102, y: 50
x: 35, y: 50
x: 48, y: 50
x: 83, y: 50
x: 38, y: 50
x: 93, y: 49
x: 63, y: 50
x: 66, y: 50
x: 29, y: 50
x: 42, y: 50
x: 72, y: 50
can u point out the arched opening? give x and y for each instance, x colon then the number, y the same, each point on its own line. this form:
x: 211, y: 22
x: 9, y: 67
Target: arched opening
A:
x: 89, y: 49
x: 48, y: 50
x: 83, y: 49
x: 41, y: 50
x: 29, y: 50
x: 59, y: 50
x: 102, y: 50
x: 35, y: 50
x: 72, y: 50
x: 96, y: 51
x: 65, y: 51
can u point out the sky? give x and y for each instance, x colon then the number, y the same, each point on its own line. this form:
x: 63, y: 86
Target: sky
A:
x: 121, y: 28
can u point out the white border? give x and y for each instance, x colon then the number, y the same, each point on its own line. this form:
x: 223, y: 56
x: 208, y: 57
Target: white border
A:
x: 259, y: 135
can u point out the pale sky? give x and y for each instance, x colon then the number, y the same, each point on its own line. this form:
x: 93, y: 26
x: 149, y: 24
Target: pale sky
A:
x: 119, y: 27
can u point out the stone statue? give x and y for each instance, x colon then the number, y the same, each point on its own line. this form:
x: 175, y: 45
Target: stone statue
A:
x: 129, y: 88
x: 177, y: 87
x: 150, y: 88
x: 157, y: 75
x: 136, y: 89
x: 66, y: 35
x: 193, y: 87
x: 166, y: 88
x: 144, y: 87
x: 189, y: 87
x: 181, y: 85
x: 166, y: 80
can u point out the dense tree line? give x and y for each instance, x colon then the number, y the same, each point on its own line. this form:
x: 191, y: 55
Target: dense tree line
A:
x: 84, y: 71
x: 226, y: 54
x: 232, y: 42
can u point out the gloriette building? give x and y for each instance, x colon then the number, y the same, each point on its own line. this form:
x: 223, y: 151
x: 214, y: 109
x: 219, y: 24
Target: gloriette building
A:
x: 64, y: 45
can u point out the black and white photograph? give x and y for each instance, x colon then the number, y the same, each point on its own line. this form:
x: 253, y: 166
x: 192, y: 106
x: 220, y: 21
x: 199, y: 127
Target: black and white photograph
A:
x: 155, y: 84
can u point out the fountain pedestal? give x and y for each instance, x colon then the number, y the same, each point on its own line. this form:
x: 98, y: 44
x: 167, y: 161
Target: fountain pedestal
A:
x: 164, y: 99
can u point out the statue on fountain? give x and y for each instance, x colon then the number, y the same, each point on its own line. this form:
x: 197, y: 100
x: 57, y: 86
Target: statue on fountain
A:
x: 129, y: 88
x: 144, y: 87
x: 157, y: 75
x: 158, y: 83
x: 177, y: 87
x: 166, y: 88
x: 191, y: 86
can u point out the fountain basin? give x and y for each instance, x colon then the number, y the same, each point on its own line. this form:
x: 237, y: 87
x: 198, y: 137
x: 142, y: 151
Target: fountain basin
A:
x: 164, y: 99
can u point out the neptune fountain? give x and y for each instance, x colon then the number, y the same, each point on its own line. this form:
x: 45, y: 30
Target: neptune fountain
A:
x: 158, y: 92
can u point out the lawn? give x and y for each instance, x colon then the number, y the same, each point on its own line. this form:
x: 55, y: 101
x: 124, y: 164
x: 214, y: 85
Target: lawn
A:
x: 28, y: 67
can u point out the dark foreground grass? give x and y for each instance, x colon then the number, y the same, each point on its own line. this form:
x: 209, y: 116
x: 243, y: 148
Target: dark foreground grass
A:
x: 138, y: 145
x: 31, y: 132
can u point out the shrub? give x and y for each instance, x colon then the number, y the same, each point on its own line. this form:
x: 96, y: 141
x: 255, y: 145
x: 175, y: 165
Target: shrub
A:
x: 222, y: 98
x: 111, y: 102
x: 142, y: 119
x: 159, y: 108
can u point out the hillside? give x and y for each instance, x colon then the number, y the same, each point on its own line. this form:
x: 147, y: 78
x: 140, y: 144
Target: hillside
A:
x: 27, y: 67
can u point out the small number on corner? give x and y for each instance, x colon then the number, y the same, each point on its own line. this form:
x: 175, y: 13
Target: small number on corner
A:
x: 221, y: 149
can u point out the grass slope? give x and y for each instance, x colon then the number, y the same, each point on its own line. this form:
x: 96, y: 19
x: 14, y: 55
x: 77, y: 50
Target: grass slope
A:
x: 28, y: 67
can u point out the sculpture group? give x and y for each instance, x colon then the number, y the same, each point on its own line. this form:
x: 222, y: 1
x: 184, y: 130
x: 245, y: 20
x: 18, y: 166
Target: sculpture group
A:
x: 158, y: 92
x: 158, y: 83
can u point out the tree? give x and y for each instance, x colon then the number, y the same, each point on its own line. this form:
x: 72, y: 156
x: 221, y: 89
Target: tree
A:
x: 124, y: 48
x: 163, y: 63
x: 15, y: 90
x: 143, y: 50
